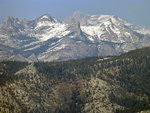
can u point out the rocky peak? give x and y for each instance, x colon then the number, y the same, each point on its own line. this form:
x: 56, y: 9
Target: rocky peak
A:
x: 10, y: 21
x: 12, y: 26
x: 47, y: 17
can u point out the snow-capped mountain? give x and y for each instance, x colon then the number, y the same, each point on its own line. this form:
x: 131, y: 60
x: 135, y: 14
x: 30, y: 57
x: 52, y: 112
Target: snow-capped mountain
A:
x: 46, y: 39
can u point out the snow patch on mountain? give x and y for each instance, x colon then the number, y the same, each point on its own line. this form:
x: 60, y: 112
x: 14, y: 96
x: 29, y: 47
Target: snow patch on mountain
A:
x: 143, y: 31
x: 45, y: 17
x: 93, y: 30
x: 35, y: 47
x: 54, y: 30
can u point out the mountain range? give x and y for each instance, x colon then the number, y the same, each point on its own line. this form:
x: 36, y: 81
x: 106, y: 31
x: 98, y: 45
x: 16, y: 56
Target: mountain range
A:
x: 48, y: 39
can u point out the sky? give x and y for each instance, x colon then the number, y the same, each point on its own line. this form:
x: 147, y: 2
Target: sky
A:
x: 134, y: 11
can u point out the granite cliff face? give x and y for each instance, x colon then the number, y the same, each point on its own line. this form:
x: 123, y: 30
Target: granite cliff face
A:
x: 77, y: 36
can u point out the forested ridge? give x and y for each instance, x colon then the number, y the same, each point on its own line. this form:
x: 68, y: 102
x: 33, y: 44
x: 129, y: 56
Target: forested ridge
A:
x: 78, y: 85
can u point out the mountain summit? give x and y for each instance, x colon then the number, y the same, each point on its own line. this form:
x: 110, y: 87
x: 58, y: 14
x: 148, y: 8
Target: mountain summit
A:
x: 47, y: 17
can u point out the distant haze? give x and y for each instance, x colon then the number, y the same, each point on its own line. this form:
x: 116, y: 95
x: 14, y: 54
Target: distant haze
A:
x: 134, y: 11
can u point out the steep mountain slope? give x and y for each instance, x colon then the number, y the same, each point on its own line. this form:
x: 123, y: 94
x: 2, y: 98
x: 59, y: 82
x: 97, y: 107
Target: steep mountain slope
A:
x: 77, y: 36
x: 105, y: 85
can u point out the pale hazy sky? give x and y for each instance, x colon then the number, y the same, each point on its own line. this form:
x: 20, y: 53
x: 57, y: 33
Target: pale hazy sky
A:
x: 133, y: 11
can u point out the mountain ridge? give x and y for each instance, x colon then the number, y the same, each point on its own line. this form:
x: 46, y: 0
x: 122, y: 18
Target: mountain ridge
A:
x: 77, y: 36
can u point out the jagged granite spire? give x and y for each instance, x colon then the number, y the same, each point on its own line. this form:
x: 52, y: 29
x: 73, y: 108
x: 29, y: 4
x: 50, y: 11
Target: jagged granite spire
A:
x: 78, y: 29
x: 75, y: 27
